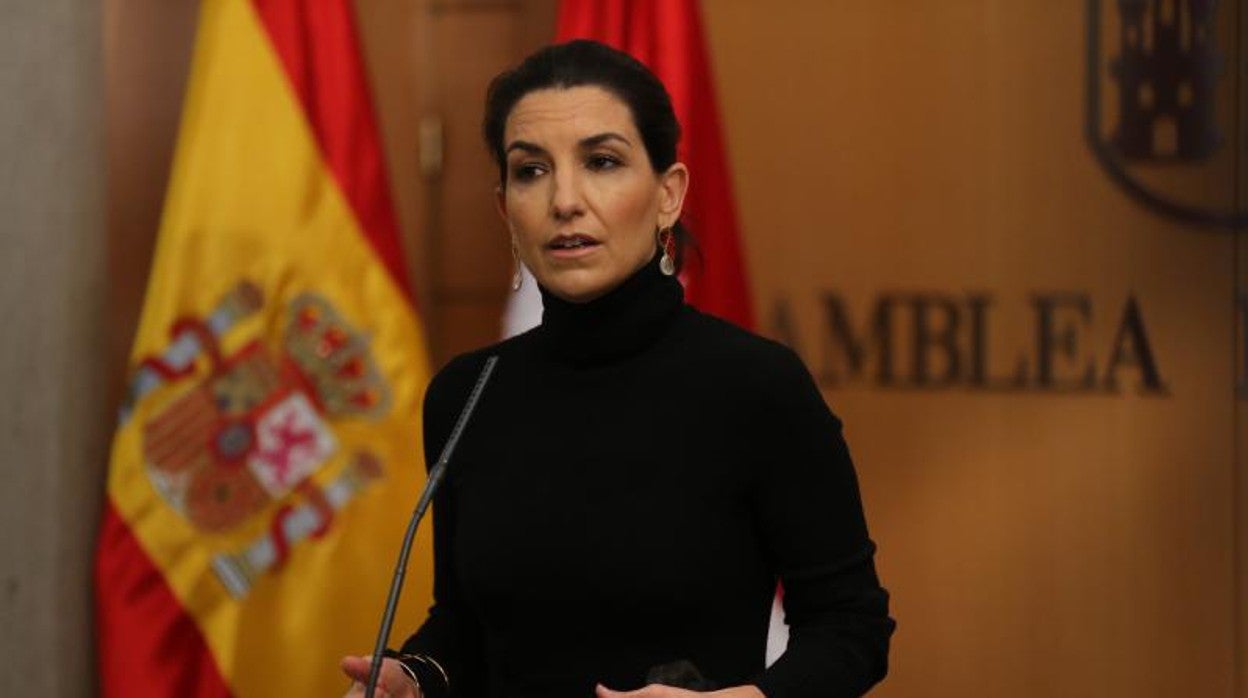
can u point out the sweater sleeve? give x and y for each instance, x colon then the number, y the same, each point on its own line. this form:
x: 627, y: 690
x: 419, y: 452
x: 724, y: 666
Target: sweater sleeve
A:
x: 810, y: 513
x: 451, y: 633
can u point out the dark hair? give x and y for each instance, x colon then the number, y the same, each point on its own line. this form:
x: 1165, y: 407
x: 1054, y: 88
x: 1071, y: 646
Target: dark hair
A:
x: 589, y: 63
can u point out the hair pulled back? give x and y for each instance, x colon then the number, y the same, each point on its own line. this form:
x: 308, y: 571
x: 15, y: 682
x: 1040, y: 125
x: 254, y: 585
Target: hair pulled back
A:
x: 582, y: 63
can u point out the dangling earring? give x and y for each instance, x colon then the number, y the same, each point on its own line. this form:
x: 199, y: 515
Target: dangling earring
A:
x: 517, y: 276
x: 667, y: 241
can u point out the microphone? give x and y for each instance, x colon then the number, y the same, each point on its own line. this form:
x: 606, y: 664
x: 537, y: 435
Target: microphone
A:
x: 431, y: 486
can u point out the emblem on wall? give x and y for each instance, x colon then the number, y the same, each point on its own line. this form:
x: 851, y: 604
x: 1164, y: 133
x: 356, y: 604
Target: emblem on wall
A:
x: 251, y: 428
x: 1157, y: 84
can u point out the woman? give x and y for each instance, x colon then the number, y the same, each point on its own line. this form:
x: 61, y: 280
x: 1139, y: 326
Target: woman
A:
x: 637, y: 475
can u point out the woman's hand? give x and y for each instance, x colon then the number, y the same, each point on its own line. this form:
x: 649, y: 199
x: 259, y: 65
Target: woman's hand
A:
x: 655, y: 690
x: 393, y: 682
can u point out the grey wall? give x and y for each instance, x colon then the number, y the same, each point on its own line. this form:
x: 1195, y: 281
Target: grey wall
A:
x: 53, y: 421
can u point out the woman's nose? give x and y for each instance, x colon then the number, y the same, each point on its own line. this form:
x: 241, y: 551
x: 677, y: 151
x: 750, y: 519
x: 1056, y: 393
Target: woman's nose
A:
x: 566, y: 201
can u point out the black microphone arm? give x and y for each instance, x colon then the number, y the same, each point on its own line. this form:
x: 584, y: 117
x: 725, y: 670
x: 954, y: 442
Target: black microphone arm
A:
x: 431, y: 486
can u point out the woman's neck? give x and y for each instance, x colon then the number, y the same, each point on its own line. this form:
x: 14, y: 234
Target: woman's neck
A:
x: 622, y: 322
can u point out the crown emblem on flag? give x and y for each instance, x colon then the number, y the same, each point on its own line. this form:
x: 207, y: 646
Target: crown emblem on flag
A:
x: 251, y: 428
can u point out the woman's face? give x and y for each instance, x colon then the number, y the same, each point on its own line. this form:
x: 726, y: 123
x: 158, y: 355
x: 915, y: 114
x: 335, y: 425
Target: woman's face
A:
x: 581, y: 198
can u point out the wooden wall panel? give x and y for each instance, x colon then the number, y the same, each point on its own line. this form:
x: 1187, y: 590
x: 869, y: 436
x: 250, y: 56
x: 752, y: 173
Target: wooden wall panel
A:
x: 147, y: 55
x: 1240, y: 136
x: 1039, y: 540
x: 431, y: 61
x: 473, y: 252
x: 396, y: 52
x: 471, y: 43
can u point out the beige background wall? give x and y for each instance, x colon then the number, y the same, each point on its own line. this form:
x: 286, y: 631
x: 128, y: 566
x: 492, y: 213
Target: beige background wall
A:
x: 1039, y: 541
x: 53, y: 419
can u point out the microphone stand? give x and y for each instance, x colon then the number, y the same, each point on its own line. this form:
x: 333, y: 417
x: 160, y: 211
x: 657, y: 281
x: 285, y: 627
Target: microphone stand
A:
x: 431, y: 486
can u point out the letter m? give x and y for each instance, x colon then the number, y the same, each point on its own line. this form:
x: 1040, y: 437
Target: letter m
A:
x: 847, y: 352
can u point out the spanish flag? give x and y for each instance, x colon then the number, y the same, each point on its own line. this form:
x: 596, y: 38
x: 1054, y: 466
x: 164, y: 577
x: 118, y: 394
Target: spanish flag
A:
x: 267, y: 455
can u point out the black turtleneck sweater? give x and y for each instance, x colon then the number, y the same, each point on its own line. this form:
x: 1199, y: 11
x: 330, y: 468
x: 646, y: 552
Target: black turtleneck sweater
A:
x: 636, y: 478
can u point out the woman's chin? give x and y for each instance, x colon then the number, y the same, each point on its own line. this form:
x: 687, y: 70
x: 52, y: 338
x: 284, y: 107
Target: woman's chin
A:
x: 578, y: 294
x: 590, y: 279
x: 579, y: 286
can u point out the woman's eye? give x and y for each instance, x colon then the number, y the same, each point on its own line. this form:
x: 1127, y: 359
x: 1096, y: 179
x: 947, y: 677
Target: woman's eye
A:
x: 527, y: 171
x: 602, y: 162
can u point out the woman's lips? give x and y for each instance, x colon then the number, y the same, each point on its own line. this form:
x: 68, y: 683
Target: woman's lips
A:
x: 572, y: 246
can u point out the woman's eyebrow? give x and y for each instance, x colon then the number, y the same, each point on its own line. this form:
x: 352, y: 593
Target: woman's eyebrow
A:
x: 585, y: 143
x: 526, y: 147
x: 601, y: 138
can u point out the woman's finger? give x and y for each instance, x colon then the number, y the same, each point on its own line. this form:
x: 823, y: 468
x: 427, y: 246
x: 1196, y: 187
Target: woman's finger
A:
x: 391, y: 683
x: 357, y: 691
x: 356, y: 668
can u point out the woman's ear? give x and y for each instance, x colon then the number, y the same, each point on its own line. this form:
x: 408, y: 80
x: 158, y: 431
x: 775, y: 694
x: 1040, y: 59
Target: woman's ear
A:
x: 672, y: 187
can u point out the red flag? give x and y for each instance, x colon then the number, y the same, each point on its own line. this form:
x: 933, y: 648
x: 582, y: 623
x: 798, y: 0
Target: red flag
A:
x: 667, y: 36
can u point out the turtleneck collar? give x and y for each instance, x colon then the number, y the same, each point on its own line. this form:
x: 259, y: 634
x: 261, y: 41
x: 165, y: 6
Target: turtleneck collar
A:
x: 622, y: 322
